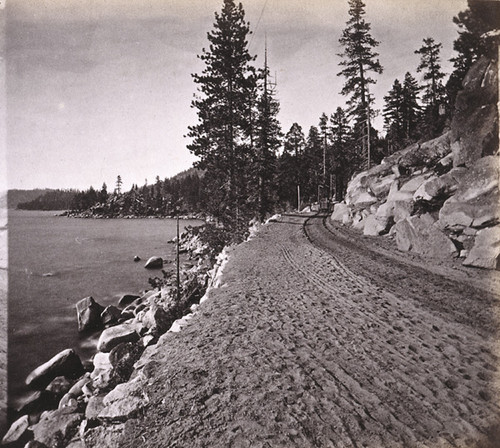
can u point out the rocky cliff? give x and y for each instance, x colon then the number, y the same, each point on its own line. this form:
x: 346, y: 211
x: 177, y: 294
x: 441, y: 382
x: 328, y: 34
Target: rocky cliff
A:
x: 440, y: 198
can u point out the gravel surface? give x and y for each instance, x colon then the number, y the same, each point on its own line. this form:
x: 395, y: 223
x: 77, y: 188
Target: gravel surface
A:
x: 322, y: 338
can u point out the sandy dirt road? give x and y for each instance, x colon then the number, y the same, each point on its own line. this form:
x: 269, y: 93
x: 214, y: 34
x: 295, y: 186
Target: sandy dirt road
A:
x: 318, y: 339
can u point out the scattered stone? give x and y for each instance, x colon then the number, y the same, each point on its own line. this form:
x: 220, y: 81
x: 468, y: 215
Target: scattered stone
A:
x: 113, y: 336
x: 18, y: 432
x: 486, y: 250
x: 127, y: 299
x: 154, y: 263
x: 56, y: 428
x: 89, y: 314
x: 76, y: 389
x: 66, y: 363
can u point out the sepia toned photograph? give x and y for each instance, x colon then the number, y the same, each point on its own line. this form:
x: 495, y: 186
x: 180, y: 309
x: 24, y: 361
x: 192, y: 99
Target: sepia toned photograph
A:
x: 266, y: 223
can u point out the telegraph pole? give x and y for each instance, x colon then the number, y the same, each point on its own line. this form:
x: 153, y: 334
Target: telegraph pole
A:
x: 178, y: 268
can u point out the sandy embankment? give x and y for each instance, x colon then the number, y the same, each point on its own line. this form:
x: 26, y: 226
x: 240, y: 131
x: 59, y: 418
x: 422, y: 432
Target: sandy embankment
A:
x: 298, y: 348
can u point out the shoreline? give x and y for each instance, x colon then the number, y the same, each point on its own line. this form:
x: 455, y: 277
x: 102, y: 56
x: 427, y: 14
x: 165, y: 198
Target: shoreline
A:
x: 149, y: 315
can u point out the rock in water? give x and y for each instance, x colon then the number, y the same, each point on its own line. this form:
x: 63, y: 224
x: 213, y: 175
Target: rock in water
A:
x: 110, y: 315
x: 18, y: 432
x: 127, y: 299
x: 154, y: 263
x: 89, y: 314
x: 137, y: 258
x: 66, y: 363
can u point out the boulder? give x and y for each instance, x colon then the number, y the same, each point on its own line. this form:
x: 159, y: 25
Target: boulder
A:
x: 154, y: 263
x: 111, y: 337
x: 35, y: 444
x: 127, y: 299
x: 419, y: 234
x: 110, y: 315
x: 341, y: 212
x: 89, y: 314
x: 123, y: 358
x: 105, y: 436
x: 125, y: 401
x: 474, y: 128
x: 66, y: 363
x: 94, y: 407
x: 478, y: 213
x: 76, y: 389
x: 426, y: 154
x: 157, y: 320
x: 413, y: 184
x: 402, y: 209
x: 56, y: 428
x: 376, y: 225
x: 18, y: 432
x: 480, y: 179
x: 486, y: 250
x: 386, y: 210
x: 381, y: 187
x: 137, y: 258
x: 365, y: 198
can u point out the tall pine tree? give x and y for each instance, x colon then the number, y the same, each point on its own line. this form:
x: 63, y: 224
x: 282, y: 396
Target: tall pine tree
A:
x: 359, y: 59
x: 267, y: 141
x: 222, y: 137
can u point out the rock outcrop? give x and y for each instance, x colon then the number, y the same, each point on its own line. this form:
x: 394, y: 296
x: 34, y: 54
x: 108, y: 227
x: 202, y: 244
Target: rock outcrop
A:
x: 439, y: 198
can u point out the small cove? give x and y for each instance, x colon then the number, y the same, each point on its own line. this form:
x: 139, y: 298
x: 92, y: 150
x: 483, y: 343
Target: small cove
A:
x: 56, y: 261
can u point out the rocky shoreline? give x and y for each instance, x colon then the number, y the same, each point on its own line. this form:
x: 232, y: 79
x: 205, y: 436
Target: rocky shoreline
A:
x: 71, y: 396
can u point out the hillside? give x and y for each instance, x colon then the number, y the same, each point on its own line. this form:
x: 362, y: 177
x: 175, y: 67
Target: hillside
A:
x: 15, y: 197
x: 439, y: 198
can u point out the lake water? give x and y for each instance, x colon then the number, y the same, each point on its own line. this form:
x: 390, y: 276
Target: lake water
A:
x: 82, y: 257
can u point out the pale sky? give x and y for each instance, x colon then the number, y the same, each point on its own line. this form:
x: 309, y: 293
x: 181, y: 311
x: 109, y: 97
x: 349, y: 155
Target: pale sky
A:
x: 97, y: 88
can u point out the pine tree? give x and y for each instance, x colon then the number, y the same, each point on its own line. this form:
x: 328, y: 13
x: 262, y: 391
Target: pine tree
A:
x: 393, y: 115
x: 119, y: 183
x: 410, y: 108
x: 434, y: 97
x: 222, y: 137
x: 359, y: 59
x: 430, y: 65
x: 292, y: 171
x: 313, y: 155
x: 343, y: 160
x: 267, y: 141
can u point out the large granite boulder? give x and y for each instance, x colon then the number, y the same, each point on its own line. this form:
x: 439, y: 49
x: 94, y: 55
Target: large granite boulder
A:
x: 110, y: 315
x: 341, y: 213
x: 89, y: 314
x: 474, y: 128
x: 426, y: 154
x: 66, y: 363
x: 127, y: 299
x: 486, y: 250
x: 111, y: 337
x: 419, y: 234
x: 377, y: 225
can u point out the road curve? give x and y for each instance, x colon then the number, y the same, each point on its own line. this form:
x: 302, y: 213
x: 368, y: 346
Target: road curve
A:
x: 321, y: 338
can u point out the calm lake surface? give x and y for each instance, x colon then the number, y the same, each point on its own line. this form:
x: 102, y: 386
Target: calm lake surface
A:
x: 82, y: 257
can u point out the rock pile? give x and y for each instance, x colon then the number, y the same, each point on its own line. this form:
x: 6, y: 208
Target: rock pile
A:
x: 69, y: 400
x: 440, y: 198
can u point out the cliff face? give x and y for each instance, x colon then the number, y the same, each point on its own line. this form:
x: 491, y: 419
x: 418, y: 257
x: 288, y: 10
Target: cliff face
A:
x: 440, y: 198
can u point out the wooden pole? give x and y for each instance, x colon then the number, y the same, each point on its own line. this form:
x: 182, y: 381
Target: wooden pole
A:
x: 298, y: 198
x: 178, y: 267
